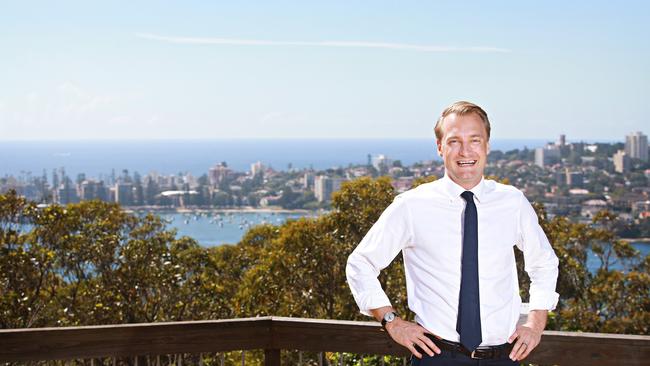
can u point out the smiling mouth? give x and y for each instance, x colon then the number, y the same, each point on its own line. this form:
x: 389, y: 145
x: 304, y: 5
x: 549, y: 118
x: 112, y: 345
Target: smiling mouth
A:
x: 466, y: 162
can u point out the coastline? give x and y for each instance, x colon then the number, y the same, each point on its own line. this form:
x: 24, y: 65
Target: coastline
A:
x: 636, y: 240
x: 244, y: 209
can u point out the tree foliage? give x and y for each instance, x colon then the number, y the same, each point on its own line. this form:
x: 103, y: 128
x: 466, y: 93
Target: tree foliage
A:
x: 604, y: 300
x: 93, y: 263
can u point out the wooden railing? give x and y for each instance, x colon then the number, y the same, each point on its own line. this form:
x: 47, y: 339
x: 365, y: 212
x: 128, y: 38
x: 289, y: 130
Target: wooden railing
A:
x: 273, y: 334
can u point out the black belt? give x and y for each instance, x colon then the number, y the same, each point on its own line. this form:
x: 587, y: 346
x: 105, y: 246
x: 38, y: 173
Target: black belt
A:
x: 483, y: 352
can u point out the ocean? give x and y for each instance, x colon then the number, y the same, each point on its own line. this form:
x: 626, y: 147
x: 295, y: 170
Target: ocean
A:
x: 95, y: 158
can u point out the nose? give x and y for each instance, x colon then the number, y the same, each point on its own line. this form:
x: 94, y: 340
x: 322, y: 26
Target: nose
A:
x: 464, y: 149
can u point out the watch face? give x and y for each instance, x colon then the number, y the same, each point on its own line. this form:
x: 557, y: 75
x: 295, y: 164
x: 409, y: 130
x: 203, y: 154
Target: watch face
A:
x: 389, y: 317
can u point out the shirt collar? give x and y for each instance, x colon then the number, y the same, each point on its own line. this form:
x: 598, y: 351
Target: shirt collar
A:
x: 453, y: 190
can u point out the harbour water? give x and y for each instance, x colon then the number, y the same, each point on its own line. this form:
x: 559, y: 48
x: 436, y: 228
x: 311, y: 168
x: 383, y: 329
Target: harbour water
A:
x: 228, y: 227
x: 214, y: 228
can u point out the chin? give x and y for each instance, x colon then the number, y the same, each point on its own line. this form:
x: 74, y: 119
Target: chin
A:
x: 468, y: 178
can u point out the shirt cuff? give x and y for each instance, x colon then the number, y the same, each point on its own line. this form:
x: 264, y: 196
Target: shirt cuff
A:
x: 373, y: 301
x: 543, y: 300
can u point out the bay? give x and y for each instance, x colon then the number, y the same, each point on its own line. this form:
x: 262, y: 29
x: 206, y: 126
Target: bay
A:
x: 213, y: 228
x: 228, y: 227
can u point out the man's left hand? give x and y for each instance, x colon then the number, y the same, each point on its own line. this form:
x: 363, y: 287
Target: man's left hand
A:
x: 527, y: 338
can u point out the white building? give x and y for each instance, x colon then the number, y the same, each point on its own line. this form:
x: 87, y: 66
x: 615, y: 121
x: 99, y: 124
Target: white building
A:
x: 308, y: 180
x: 621, y: 162
x: 547, y: 155
x: 218, y: 173
x: 257, y: 167
x: 379, y: 161
x: 636, y: 146
x: 124, y: 193
x: 324, y: 186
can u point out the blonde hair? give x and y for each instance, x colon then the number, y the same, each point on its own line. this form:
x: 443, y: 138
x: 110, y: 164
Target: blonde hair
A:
x: 462, y: 108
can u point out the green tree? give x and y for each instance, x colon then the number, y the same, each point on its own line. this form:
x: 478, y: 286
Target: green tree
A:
x: 28, y: 278
x: 93, y: 263
x: 605, y: 300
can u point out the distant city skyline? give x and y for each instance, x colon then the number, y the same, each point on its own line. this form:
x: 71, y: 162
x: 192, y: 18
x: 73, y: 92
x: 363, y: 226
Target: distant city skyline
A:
x: 277, y: 69
x: 173, y: 156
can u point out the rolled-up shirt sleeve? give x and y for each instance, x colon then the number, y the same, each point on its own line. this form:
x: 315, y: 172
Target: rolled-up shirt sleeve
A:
x: 381, y: 244
x: 541, y: 263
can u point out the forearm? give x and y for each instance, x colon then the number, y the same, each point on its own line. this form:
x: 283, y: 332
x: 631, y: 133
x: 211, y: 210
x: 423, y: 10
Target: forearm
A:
x: 380, y: 312
x: 361, y: 273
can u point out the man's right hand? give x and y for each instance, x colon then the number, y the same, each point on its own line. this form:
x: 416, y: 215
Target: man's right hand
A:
x: 409, y: 334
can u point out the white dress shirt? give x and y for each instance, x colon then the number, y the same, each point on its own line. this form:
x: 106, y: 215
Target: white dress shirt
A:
x: 425, y: 223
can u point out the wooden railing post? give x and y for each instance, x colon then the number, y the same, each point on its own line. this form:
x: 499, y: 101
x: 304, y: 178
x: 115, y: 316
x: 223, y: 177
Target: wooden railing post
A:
x: 271, y: 357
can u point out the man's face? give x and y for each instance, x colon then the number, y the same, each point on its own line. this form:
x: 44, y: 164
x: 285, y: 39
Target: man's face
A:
x: 464, y: 147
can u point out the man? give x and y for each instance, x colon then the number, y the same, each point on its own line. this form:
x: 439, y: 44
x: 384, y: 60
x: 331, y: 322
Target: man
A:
x: 457, y: 236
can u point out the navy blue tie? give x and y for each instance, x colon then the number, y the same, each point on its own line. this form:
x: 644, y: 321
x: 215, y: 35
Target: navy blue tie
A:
x: 469, y: 313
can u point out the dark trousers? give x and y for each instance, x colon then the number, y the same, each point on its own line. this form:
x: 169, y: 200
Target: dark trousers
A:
x: 448, y: 358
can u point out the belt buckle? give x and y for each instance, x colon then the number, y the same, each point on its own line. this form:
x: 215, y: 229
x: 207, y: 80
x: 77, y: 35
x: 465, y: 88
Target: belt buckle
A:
x: 474, y: 357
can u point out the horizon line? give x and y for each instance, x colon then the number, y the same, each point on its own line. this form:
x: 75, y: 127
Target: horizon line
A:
x: 550, y: 139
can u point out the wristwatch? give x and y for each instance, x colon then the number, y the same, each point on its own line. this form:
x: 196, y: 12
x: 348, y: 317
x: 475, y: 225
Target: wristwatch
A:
x: 388, y: 317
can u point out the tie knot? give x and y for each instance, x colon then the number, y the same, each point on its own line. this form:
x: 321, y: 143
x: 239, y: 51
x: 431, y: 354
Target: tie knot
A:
x: 467, y: 196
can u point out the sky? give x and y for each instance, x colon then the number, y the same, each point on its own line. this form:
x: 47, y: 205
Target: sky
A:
x: 86, y: 70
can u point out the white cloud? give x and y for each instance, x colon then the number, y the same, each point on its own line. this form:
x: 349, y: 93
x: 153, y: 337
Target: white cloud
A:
x: 77, y: 102
x: 153, y: 120
x: 32, y: 97
x: 271, y: 118
x: 64, y: 110
x: 121, y: 121
x: 340, y: 44
x: 70, y: 88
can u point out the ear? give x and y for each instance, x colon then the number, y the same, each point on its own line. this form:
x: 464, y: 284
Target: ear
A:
x: 488, y: 146
x: 439, y: 145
